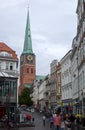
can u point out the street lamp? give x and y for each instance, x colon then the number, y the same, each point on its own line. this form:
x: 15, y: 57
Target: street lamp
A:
x: 7, y: 106
x: 82, y: 102
x: 78, y: 85
x: 7, y: 92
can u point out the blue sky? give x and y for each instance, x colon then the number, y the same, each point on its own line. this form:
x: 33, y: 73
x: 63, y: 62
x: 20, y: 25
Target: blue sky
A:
x: 53, y: 27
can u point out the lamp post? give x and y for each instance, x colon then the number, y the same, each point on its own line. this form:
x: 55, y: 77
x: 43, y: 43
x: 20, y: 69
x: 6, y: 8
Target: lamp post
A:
x: 82, y: 103
x: 7, y: 106
x: 16, y: 112
x: 7, y: 92
x: 78, y: 85
x: 83, y: 95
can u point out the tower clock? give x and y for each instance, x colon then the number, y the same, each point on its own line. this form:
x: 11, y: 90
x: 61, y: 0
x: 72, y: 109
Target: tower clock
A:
x: 29, y: 58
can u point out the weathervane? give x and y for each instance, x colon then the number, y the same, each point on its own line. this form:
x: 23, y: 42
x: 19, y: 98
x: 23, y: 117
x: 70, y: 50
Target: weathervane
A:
x: 28, y: 3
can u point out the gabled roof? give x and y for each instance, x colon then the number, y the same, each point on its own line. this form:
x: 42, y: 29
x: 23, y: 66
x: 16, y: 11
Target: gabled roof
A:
x: 6, y: 48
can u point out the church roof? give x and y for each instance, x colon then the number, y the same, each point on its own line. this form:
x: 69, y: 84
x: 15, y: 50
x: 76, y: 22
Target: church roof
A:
x: 27, y: 42
x: 40, y: 77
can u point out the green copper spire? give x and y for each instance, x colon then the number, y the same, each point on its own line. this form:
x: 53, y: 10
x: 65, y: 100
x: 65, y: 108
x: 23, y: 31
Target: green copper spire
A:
x: 27, y: 42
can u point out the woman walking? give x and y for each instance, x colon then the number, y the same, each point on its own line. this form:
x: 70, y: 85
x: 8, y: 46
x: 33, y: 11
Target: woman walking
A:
x: 57, y: 121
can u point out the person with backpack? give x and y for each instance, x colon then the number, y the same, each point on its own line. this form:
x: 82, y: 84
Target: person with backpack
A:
x: 51, y: 121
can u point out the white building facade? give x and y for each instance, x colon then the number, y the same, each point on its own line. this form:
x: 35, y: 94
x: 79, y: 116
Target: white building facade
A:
x: 66, y: 83
x: 53, y: 83
x: 78, y: 61
x: 42, y: 91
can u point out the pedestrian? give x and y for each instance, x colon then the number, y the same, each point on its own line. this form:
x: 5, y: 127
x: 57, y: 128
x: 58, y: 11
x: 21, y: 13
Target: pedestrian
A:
x: 77, y: 122
x: 33, y: 119
x: 64, y: 116
x: 62, y: 126
x: 51, y: 121
x: 10, y: 124
x: 69, y: 125
x: 72, y: 120
x: 57, y: 121
x: 44, y: 118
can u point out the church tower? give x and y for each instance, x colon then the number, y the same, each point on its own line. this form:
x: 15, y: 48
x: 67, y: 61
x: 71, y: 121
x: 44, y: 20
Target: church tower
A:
x: 27, y: 60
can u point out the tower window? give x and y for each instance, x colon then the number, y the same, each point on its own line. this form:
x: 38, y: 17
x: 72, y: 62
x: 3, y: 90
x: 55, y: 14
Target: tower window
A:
x: 31, y: 70
x: 27, y: 70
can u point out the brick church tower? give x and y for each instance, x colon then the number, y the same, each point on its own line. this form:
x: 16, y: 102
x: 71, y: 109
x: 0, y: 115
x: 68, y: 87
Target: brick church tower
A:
x: 27, y: 60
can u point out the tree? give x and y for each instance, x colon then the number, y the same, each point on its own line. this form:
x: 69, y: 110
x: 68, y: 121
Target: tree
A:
x: 25, y: 98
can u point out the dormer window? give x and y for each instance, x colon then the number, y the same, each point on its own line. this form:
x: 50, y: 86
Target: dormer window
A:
x: 5, y: 54
x: 11, y: 66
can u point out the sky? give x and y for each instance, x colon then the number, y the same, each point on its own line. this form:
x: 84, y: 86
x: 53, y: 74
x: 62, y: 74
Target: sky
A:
x: 53, y: 27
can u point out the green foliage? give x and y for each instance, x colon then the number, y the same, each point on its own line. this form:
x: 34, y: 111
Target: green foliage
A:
x: 24, y: 98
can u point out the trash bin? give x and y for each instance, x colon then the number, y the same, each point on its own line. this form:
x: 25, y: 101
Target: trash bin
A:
x: 83, y: 121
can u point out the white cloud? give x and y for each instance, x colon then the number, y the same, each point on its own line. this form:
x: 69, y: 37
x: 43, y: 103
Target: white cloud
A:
x: 53, y: 26
x: 10, y: 3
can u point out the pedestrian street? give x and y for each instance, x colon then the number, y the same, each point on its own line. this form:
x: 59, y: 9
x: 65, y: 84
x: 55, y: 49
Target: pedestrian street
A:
x: 38, y: 123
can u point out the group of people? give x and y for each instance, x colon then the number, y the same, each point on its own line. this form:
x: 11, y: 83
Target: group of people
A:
x: 61, y: 122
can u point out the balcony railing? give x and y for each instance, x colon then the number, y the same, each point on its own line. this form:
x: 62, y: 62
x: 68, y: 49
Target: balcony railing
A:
x: 13, y: 72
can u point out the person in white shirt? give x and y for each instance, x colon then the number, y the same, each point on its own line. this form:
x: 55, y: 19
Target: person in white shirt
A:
x: 62, y: 126
x: 44, y: 119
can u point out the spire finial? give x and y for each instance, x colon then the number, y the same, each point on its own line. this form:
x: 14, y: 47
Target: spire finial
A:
x: 28, y: 4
